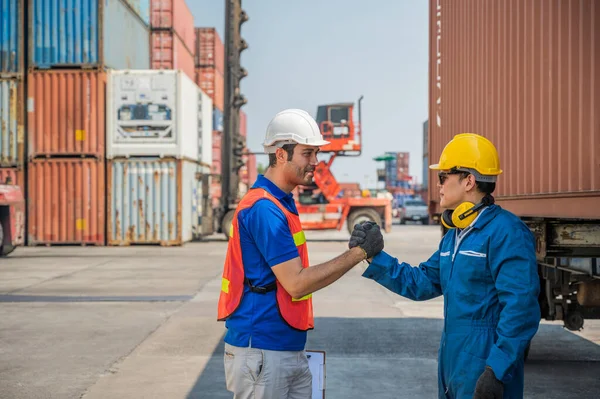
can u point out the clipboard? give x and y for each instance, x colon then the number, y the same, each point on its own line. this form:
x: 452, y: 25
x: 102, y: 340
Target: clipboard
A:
x: 316, y: 364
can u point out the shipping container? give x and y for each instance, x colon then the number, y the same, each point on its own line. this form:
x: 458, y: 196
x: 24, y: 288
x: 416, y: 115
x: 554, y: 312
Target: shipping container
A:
x: 152, y: 113
x: 217, y: 136
x: 168, y: 52
x: 212, y: 83
x: 205, y: 129
x: 175, y: 15
x: 210, y: 51
x: 217, y: 119
x: 243, y: 124
x: 251, y: 167
x: 11, y: 38
x: 150, y: 201
x: 524, y: 74
x: 66, y: 113
x: 66, y: 201
x: 215, y: 192
x: 14, y: 176
x: 12, y: 107
x: 87, y: 33
x: 141, y: 8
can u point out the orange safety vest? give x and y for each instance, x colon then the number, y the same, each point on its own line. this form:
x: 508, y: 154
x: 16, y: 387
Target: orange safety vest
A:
x: 297, y: 313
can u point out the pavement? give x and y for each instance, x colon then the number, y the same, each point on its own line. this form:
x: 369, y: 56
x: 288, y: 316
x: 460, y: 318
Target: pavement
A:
x: 140, y: 322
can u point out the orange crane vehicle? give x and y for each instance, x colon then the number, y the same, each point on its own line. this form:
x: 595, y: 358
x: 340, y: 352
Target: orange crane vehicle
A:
x: 319, y: 205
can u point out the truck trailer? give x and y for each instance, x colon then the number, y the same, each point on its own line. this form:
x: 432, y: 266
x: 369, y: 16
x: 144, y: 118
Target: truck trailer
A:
x: 526, y: 75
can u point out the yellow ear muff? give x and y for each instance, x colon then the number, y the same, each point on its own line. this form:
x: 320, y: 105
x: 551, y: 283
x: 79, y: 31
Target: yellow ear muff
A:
x: 446, y: 219
x: 463, y: 215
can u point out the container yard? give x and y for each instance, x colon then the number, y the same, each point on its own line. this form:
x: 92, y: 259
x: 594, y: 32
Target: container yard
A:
x: 131, y: 130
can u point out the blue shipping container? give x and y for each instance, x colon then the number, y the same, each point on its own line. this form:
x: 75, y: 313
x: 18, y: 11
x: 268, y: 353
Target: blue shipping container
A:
x: 67, y: 33
x: 217, y: 120
x: 141, y: 8
x: 11, y: 37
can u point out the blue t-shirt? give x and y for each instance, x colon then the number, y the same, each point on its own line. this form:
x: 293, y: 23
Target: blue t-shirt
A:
x: 266, y: 241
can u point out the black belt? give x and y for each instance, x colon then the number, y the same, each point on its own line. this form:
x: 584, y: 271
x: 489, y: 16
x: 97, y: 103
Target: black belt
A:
x: 260, y: 290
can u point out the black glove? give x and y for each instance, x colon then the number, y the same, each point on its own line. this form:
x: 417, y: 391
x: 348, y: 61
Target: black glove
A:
x: 488, y: 386
x: 367, y: 236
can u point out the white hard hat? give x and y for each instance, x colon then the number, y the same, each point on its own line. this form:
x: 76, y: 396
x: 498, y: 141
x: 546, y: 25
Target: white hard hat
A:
x: 292, y: 126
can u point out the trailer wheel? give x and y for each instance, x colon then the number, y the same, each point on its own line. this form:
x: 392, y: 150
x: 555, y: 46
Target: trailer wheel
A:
x: 226, y: 224
x: 362, y: 215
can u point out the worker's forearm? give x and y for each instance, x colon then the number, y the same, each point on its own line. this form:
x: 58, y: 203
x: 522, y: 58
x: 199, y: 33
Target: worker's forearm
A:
x: 316, y: 277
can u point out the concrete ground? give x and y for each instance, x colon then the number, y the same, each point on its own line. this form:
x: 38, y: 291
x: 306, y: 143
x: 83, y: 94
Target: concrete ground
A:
x: 139, y: 322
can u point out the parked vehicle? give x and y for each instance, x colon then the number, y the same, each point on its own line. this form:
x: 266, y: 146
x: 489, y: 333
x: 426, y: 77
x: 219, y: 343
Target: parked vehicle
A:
x: 414, y: 210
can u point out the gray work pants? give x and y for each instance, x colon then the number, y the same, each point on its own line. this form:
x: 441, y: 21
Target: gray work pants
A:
x: 264, y: 374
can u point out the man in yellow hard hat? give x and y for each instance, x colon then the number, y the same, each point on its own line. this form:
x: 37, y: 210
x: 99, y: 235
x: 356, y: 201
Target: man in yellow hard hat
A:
x: 486, y: 269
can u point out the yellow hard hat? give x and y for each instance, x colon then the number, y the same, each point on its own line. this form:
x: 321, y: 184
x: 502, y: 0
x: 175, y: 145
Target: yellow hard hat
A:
x: 470, y: 151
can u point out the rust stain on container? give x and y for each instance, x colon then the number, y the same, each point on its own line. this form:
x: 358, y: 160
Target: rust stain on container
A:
x: 66, y: 113
x: 525, y: 75
x: 66, y: 201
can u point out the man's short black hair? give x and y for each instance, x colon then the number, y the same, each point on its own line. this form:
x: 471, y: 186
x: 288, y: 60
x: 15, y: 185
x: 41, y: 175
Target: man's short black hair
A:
x: 289, y: 148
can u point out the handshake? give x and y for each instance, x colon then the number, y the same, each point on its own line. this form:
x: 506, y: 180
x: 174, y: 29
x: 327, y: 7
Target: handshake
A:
x: 367, y: 236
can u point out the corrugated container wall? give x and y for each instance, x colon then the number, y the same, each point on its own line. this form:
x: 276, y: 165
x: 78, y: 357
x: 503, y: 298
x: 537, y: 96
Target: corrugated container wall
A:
x: 252, y: 166
x: 150, y: 201
x: 210, y: 51
x: 212, y: 83
x: 175, y: 15
x: 243, y: 124
x: 66, y: 201
x: 524, y: 74
x: 11, y: 37
x: 425, y: 154
x: 152, y: 113
x: 66, y: 113
x: 141, y: 8
x: 90, y: 33
x: 12, y: 107
x: 168, y: 52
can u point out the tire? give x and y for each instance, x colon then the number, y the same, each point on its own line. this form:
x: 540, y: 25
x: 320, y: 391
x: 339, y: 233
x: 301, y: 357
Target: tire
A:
x: 226, y: 224
x: 362, y: 215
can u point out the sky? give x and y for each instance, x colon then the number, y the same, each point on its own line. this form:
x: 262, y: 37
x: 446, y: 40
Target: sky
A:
x: 310, y: 52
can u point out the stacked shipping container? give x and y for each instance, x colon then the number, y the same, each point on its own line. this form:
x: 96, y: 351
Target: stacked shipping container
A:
x: 12, y: 68
x: 156, y: 121
x: 210, y: 65
x: 70, y: 50
x: 173, y: 37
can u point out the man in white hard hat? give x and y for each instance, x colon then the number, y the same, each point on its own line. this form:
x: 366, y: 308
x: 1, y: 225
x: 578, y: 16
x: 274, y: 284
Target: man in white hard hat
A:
x: 267, y: 285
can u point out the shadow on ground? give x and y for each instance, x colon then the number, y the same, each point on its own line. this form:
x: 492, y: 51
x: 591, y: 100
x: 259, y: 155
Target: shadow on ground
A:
x: 396, y: 358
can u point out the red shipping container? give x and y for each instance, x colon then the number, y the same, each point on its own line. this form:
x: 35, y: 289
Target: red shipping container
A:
x: 215, y: 193
x: 66, y: 113
x: 216, y: 165
x: 168, y: 52
x: 243, y: 124
x: 216, y: 139
x: 212, y: 83
x: 210, y: 51
x: 66, y: 201
x: 524, y: 74
x: 175, y: 15
x: 14, y: 176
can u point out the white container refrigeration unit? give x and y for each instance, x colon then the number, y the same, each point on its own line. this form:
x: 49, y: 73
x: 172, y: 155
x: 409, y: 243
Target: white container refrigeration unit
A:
x: 154, y: 138
x: 151, y: 113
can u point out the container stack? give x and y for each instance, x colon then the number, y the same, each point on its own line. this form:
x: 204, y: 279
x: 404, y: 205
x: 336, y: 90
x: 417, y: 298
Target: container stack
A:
x: 12, y: 96
x: 159, y: 131
x: 66, y: 88
x: 173, y: 37
x: 210, y: 69
x: 248, y: 172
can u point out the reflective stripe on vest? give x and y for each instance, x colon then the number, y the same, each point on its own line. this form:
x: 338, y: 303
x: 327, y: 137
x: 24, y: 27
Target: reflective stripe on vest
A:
x: 297, y: 313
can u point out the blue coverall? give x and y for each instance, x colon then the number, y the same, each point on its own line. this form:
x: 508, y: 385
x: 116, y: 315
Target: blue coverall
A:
x: 488, y: 276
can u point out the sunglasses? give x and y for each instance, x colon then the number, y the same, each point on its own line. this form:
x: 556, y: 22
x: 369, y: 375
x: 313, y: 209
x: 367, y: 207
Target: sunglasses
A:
x: 443, y: 176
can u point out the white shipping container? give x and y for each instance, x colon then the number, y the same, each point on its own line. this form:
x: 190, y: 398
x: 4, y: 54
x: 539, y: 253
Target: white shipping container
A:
x: 151, y: 201
x: 205, y: 129
x: 152, y: 113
